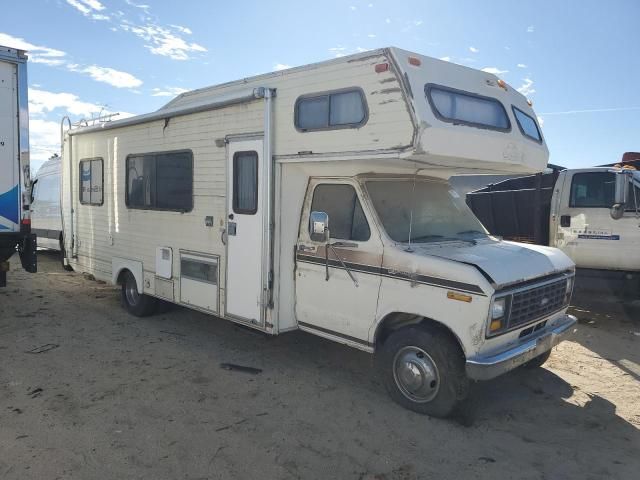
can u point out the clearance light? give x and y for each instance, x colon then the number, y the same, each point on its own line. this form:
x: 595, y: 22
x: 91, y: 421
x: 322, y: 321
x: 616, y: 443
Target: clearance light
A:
x: 382, y: 67
x: 459, y: 296
x: 529, y: 102
x: 415, y: 61
x: 502, y: 84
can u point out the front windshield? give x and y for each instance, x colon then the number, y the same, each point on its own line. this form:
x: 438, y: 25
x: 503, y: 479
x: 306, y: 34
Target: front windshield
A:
x: 438, y: 212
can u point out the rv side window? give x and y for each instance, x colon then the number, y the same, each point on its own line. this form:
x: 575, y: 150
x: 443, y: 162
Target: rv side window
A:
x: 160, y: 181
x: 346, y: 217
x: 528, y: 126
x: 593, y: 190
x: 465, y: 108
x: 339, y: 109
x: 91, y: 181
x: 245, y: 183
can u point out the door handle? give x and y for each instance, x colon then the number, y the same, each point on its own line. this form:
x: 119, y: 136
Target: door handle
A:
x: 565, y: 221
x: 223, y: 236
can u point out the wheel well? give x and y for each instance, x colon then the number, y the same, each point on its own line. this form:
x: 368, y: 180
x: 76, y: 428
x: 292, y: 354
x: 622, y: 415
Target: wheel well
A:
x: 397, y: 320
x: 121, y: 275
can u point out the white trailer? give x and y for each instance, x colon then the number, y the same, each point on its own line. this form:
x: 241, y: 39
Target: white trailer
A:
x: 316, y: 198
x: 15, y: 179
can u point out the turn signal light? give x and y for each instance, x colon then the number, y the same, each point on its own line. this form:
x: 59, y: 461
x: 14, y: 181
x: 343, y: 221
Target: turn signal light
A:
x: 495, y: 325
x: 415, y: 61
x: 502, y: 84
x: 459, y: 296
x: 382, y: 67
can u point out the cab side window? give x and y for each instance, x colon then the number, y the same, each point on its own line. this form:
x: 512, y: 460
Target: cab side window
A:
x: 346, y: 217
x: 592, y: 190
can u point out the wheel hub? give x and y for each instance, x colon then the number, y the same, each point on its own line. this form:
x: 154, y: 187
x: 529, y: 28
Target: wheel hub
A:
x: 416, y: 374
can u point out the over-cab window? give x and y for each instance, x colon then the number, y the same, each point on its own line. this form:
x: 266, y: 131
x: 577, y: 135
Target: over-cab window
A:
x: 466, y: 108
x: 338, y: 109
x: 346, y: 217
x: 160, y: 181
x: 528, y: 126
x: 245, y: 183
x: 91, y: 181
x: 593, y: 190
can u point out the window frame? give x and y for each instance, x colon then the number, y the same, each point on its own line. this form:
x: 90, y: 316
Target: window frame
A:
x: 362, y: 207
x: 234, y: 179
x: 431, y: 86
x: 90, y: 203
x: 573, y: 180
x: 328, y: 94
x: 155, y: 154
x: 524, y: 134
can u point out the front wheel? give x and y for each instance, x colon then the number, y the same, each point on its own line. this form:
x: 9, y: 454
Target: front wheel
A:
x: 136, y: 303
x: 423, y: 369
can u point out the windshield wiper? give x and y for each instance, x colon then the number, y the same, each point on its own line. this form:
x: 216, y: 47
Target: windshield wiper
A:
x: 471, y: 232
x: 426, y: 237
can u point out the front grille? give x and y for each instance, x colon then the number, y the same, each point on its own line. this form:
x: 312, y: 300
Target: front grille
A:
x: 536, y: 302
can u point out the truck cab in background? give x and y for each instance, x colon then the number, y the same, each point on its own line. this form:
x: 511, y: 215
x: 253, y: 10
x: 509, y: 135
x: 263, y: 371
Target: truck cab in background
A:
x: 595, y: 220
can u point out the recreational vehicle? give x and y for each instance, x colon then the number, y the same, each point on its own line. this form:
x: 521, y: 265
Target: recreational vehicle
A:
x: 15, y: 178
x: 46, y: 220
x: 316, y: 198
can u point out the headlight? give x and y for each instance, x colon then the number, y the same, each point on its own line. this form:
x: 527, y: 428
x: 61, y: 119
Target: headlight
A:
x: 498, y: 308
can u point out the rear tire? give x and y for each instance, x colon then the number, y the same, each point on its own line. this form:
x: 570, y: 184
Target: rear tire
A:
x: 538, y: 361
x: 135, y: 303
x: 423, y: 369
x: 63, y: 255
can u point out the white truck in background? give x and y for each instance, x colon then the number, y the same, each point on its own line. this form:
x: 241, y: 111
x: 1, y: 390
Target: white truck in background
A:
x: 591, y: 214
x: 15, y: 178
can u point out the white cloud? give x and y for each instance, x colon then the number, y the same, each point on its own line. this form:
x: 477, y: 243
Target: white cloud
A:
x: 473, y: 50
x: 372, y: 35
x: 37, y: 54
x: 526, y: 88
x: 494, y: 70
x: 111, y: 76
x: 280, y: 66
x: 161, y: 41
x: 387, y: 20
x: 42, y: 102
x: 521, y: 65
x: 446, y: 59
x: 98, y: 16
x: 168, y: 91
x: 182, y: 29
x: 44, y: 140
x: 87, y: 7
x: 138, y: 5
x: 352, y: 8
x: 370, y: 5
x: 530, y: 29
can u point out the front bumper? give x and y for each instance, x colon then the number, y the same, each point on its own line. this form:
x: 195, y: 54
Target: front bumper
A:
x: 488, y: 367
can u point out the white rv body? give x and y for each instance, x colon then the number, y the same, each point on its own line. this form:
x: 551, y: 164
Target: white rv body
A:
x: 46, y: 220
x: 249, y: 256
x: 15, y: 177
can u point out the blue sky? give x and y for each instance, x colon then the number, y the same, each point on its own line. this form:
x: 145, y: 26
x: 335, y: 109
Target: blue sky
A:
x: 578, y: 61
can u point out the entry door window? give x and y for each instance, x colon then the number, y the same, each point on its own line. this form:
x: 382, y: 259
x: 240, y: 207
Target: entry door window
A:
x: 245, y: 183
x: 346, y: 217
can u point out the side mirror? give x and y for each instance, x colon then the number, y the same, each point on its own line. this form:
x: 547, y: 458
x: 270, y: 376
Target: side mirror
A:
x: 617, y: 211
x: 622, y: 188
x: 319, y: 226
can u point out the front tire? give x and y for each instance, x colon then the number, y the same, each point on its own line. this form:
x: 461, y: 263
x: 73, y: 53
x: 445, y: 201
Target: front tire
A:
x: 423, y: 369
x: 134, y: 302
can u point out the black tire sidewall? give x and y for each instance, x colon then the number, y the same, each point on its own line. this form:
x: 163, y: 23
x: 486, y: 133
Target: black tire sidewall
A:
x: 447, y: 356
x: 146, y: 304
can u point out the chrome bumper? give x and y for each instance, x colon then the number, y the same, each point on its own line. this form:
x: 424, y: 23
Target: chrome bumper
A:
x: 485, y: 368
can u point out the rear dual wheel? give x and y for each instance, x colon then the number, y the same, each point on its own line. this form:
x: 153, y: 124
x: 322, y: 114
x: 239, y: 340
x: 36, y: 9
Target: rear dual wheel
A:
x: 134, y: 302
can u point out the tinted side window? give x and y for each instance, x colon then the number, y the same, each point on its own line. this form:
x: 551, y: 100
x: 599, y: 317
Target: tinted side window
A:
x: 527, y: 124
x: 245, y: 183
x: 339, y: 109
x: 592, y: 190
x: 160, y: 181
x: 346, y: 217
x: 91, y: 181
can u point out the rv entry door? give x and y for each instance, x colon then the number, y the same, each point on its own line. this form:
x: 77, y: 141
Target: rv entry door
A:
x: 245, y: 222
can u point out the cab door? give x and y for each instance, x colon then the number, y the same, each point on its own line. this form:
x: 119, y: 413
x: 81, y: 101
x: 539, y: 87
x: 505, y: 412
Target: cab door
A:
x: 585, y: 230
x: 337, y: 284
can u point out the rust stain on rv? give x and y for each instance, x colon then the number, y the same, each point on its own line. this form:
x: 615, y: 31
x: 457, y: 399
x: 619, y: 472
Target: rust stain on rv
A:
x: 364, y: 59
x: 389, y: 80
x: 386, y: 101
x: 386, y: 91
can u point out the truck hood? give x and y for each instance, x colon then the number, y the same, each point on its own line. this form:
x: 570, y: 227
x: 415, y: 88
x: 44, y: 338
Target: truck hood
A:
x: 505, y: 262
